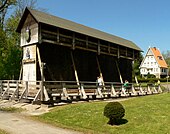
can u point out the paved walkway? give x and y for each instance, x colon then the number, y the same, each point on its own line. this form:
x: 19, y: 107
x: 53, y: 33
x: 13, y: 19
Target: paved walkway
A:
x: 16, y: 124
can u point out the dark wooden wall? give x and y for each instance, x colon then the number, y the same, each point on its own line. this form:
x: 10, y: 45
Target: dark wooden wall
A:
x: 59, y: 65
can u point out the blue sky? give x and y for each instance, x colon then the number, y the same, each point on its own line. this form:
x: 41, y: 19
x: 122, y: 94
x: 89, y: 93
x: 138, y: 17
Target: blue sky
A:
x: 145, y: 22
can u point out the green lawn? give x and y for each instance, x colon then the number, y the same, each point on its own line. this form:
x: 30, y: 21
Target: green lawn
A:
x: 144, y: 115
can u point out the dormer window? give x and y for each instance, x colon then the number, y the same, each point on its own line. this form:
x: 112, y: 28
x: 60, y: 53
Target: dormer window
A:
x: 160, y: 57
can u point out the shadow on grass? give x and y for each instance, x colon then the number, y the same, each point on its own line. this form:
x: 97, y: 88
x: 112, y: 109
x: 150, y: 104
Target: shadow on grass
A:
x: 119, y: 122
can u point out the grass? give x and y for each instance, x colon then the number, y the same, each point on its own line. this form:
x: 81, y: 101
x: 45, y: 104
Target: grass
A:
x: 10, y: 109
x: 148, y: 114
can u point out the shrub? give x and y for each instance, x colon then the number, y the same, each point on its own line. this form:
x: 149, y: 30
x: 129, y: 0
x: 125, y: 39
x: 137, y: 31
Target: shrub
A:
x: 114, y: 111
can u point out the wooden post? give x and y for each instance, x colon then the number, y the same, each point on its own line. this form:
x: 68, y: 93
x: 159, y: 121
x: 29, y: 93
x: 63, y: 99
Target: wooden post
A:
x: 159, y: 89
x: 121, y: 80
x: 42, y: 89
x: 75, y: 71
x: 73, y: 43
x: 26, y: 89
x: 16, y: 92
x: 148, y: 89
x: 1, y: 88
x: 113, y: 92
x: 98, y: 47
x: 17, y: 89
x: 83, y: 92
x: 41, y: 65
x: 20, y: 75
x: 8, y: 87
x: 133, y: 90
x: 101, y: 75
x: 136, y: 80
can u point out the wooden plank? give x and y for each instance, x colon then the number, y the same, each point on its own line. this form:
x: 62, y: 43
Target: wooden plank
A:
x: 16, y: 91
x: 6, y: 90
x: 24, y: 93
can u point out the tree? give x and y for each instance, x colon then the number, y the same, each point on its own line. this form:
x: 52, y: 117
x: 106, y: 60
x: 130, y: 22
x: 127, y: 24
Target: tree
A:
x: 4, y: 6
x: 21, y: 5
x: 166, y: 55
x: 136, y: 65
x: 10, y: 50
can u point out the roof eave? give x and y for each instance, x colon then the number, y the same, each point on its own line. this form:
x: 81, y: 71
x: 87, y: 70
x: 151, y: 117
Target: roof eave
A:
x: 23, y: 18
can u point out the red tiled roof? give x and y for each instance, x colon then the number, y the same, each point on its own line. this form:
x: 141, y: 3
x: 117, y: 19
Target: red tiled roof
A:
x: 159, y: 58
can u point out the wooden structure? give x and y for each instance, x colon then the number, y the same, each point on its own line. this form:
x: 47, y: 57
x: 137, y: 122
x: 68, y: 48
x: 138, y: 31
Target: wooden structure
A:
x: 55, y: 49
x: 70, y: 91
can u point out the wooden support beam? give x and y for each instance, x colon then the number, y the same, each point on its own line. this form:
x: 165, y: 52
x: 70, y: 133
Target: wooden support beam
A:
x: 98, y: 47
x: 141, y: 90
x: 24, y: 93
x: 87, y: 41
x: 58, y: 35
x: 159, y: 89
x: 133, y: 90
x: 6, y: 90
x: 1, y: 88
x: 16, y: 92
x: 73, y: 43
x: 133, y: 55
x: 136, y: 81
x: 113, y: 92
x: 101, y: 75
x: 154, y: 90
x: 118, y: 52
x: 120, y: 76
x: 75, y: 71
x: 149, y: 90
x: 109, y: 47
x: 41, y: 65
x: 39, y: 33
x: 83, y: 93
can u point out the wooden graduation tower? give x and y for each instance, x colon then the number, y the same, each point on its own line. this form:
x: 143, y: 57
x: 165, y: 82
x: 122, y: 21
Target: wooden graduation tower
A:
x: 56, y: 49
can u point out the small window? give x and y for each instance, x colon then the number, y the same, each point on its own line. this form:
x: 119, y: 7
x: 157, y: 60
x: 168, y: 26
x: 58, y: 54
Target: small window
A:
x: 160, y: 57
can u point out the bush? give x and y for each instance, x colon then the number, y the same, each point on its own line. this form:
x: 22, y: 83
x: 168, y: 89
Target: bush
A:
x: 114, y: 111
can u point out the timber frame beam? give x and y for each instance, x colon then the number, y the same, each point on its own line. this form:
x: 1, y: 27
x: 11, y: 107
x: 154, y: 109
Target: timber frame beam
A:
x: 63, y: 37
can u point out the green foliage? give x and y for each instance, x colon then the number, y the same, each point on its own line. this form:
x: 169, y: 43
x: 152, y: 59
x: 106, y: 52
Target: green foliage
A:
x: 136, y: 64
x: 10, y: 50
x: 114, y: 111
x: 152, y: 80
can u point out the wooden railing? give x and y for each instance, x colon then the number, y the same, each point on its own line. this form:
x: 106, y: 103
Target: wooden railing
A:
x: 44, y: 91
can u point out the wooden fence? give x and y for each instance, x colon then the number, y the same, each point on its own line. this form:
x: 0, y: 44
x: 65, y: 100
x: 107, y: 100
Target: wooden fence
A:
x: 56, y: 91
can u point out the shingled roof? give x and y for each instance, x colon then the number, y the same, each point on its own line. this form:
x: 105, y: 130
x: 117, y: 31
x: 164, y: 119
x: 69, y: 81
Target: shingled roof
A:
x: 41, y: 17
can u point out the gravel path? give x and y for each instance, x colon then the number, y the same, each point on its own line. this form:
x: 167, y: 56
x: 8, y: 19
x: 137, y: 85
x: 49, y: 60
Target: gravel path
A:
x: 18, y: 124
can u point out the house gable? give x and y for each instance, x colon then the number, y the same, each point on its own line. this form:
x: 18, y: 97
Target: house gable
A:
x: 154, y: 63
x: 159, y: 58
